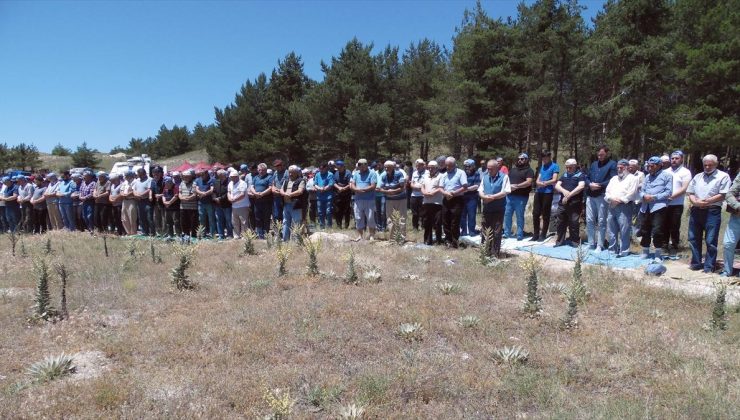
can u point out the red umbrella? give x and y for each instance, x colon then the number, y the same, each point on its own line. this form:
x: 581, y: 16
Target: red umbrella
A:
x: 202, y: 166
x: 218, y: 165
x: 184, y: 167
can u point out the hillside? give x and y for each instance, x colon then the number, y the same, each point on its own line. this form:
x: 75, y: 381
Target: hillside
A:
x: 59, y: 163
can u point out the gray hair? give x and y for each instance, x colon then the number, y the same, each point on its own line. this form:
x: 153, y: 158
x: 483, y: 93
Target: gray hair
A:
x: 450, y: 160
x: 711, y: 158
x: 634, y: 162
x: 262, y: 166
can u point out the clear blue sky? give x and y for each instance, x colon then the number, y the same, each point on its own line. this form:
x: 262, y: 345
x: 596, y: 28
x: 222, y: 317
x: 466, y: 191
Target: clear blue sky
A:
x: 104, y: 71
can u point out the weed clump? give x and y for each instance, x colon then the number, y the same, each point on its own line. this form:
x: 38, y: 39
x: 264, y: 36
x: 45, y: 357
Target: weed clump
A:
x: 280, y: 403
x: 719, y: 312
x: 312, y: 248
x: 351, y: 276
x: 249, y: 238
x: 51, y: 368
x: 533, y: 301
x: 42, y: 302
x: 511, y: 356
x: 179, y: 276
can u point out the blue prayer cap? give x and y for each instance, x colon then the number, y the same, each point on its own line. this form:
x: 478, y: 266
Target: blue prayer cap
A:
x: 6, y: 178
x: 524, y: 156
x: 243, y: 167
x: 624, y: 162
x: 339, y: 163
x: 469, y: 162
x: 677, y: 153
x: 655, y: 160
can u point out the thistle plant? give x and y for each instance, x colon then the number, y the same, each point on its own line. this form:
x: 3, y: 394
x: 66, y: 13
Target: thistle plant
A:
x: 468, y: 321
x: 13, y: 241
x: 449, y: 288
x: 200, y: 233
x: 397, y: 235
x: 298, y: 231
x: 423, y: 259
x: 51, y: 368
x: 577, y: 287
x: 533, y: 302
x: 282, y: 253
x: 249, y: 238
x: 280, y: 403
x: 42, y: 306
x: 61, y: 270
x: 312, y: 248
x: 277, y: 231
x: 486, y: 240
x: 719, y: 313
x: 569, y: 321
x: 411, y: 331
x: 179, y: 276
x: 47, y: 246
x: 352, y: 412
x: 372, y: 275
x: 511, y: 355
x: 156, y: 258
x: 351, y: 276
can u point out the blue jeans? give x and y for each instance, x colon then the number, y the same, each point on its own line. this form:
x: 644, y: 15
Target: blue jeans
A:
x: 143, y: 208
x: 277, y: 208
x: 206, y: 211
x: 619, y: 221
x: 704, y: 222
x: 515, y: 204
x: 380, y: 212
x: 732, y: 235
x: 325, y: 211
x: 12, y: 214
x: 88, y: 210
x: 68, y: 216
x: 290, y: 216
x: 467, y: 219
x: 596, y: 214
x: 223, y: 221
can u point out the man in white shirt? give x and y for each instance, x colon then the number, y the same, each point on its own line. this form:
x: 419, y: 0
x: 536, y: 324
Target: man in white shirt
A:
x: 237, y: 194
x: 620, y: 194
x: 681, y: 179
x: 431, y: 190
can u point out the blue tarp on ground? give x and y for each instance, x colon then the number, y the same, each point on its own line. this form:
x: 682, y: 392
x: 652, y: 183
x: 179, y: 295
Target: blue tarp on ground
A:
x: 592, y: 257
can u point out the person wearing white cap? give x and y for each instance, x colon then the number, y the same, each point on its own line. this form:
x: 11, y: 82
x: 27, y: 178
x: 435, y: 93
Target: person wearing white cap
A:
x: 570, y: 185
x: 431, y: 190
x: 238, y: 195
x: 665, y: 161
x: 52, y: 202
x: 417, y: 197
x: 674, y: 214
x: 521, y: 176
x: 129, y: 206
x: 620, y: 193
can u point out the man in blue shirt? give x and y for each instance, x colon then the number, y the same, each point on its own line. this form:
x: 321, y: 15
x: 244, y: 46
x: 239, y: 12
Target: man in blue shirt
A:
x: 204, y: 186
x: 600, y: 173
x: 279, y: 176
x: 363, y: 184
x: 67, y: 187
x: 392, y: 184
x: 547, y: 177
x: 10, y: 197
x: 323, y: 183
x: 454, y: 184
x: 470, y: 199
x: 655, y: 195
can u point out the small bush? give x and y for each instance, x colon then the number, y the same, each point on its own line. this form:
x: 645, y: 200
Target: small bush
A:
x: 280, y: 403
x: 411, y: 331
x: 179, y: 276
x: 511, y: 355
x: 719, y: 312
x: 51, y: 368
x: 468, y: 321
x: 449, y: 288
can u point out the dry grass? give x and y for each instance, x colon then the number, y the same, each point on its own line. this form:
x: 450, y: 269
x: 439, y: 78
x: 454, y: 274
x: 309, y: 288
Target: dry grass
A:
x: 211, y: 352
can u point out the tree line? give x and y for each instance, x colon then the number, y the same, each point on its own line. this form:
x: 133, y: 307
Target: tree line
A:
x: 647, y: 77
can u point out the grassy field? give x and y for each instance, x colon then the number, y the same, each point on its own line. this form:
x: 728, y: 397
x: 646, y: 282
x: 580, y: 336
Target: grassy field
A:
x: 212, y: 352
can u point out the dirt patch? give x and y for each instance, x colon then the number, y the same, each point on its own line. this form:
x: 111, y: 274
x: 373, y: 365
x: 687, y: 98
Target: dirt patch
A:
x: 13, y: 292
x: 89, y: 364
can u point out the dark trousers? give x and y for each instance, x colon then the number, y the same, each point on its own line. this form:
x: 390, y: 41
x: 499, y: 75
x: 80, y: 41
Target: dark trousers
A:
x: 115, y: 220
x: 312, y: 210
x: 416, y: 213
x: 652, y: 228
x: 343, y: 210
x: 704, y: 225
x: 252, y: 220
x: 172, y: 222
x: 380, y: 216
x: 453, y: 208
x: 541, y: 208
x: 432, y: 222
x: 27, y: 217
x: 263, y: 210
x: 569, y: 218
x: 102, y: 216
x: 495, y: 222
x: 672, y: 226
x: 189, y: 222
x: 144, y: 209
x: 39, y: 220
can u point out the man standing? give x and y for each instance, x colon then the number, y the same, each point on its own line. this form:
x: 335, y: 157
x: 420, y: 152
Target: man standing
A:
x: 206, y: 214
x: 237, y: 195
x: 732, y: 233
x: 706, y: 192
x: 343, y: 196
x: 186, y: 193
x: 102, y: 203
x: 10, y: 197
x: 547, y: 177
x: 417, y: 197
x: 570, y: 186
x: 520, y: 177
x: 431, y: 190
x: 87, y: 200
x: 363, y: 184
x: 142, y: 187
x: 279, y: 176
x: 52, y: 202
x: 599, y: 174
x: 156, y: 212
x: 222, y: 205
x: 392, y: 183
x: 323, y: 182
x: 493, y: 188
x: 263, y: 201
x: 620, y: 194
x: 681, y: 178
x: 634, y: 169
x: 470, y: 199
x: 454, y: 183
x: 129, y: 206
x: 655, y: 192
x: 25, y: 192
x: 66, y: 188
x: 38, y: 201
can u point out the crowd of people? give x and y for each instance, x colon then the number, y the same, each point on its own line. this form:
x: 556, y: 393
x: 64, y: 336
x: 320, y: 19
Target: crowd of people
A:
x: 621, y: 200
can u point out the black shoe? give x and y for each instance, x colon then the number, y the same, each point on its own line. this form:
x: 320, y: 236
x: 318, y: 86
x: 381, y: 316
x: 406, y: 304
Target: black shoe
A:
x: 696, y: 267
x: 559, y: 243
